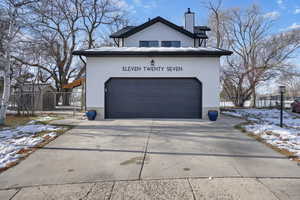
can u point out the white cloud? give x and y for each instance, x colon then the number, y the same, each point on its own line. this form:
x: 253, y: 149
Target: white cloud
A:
x: 146, y: 5
x: 138, y: 2
x: 294, y: 26
x: 297, y: 11
x: 272, y: 15
x: 123, y: 5
x: 151, y: 4
x: 279, y: 2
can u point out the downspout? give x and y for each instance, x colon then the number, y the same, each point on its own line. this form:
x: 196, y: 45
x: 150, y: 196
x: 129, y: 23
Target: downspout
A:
x: 82, y: 60
x: 116, y: 42
x: 84, y: 81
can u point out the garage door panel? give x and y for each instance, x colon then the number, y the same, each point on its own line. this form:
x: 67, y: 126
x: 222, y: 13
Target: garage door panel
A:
x: 153, y: 98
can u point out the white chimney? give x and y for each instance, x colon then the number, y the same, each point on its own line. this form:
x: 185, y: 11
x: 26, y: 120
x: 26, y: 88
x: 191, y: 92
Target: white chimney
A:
x: 189, y: 20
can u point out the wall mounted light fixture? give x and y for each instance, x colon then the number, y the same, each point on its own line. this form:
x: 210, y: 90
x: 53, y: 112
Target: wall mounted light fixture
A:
x: 152, y: 63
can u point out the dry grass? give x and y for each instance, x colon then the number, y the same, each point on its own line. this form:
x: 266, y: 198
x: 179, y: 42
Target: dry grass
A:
x: 16, y: 120
x: 13, y: 120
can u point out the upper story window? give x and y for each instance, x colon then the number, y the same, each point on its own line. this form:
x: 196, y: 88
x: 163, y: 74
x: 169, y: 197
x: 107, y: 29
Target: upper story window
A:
x: 170, y: 43
x: 149, y: 44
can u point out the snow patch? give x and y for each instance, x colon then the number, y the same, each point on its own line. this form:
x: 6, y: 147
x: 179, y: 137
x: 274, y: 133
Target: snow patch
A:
x: 265, y: 115
x: 283, y: 138
x: 265, y: 124
x: 233, y: 114
x: 151, y: 49
x: 22, y: 137
x: 42, y: 119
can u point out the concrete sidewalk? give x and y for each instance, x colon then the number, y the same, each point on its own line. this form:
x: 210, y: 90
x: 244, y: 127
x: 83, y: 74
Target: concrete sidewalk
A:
x: 181, y: 189
x: 151, y: 159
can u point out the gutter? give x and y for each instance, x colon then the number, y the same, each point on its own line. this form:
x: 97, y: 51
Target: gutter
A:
x: 200, y: 53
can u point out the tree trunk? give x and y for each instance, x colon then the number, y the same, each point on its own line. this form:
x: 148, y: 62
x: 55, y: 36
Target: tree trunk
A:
x: 6, y: 94
x: 253, y: 98
x: 239, y: 102
x: 66, y: 97
x: 7, y: 78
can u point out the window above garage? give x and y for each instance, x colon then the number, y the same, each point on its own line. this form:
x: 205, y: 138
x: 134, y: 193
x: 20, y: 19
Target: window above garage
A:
x: 149, y: 44
x: 170, y: 43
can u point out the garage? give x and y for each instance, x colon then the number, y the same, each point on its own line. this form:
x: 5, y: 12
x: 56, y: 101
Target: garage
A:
x: 134, y: 82
x: 153, y: 98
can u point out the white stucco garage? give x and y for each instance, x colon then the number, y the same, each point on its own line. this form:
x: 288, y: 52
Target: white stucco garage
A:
x: 132, y: 82
x: 155, y: 70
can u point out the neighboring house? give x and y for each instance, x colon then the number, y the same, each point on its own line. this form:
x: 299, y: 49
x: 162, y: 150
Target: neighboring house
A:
x: 156, y: 70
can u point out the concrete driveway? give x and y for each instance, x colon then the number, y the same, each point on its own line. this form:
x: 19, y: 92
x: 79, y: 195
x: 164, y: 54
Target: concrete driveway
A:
x: 189, y: 152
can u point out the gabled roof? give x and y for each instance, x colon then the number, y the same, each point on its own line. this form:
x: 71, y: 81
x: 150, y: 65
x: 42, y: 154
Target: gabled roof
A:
x: 130, y: 30
x: 121, y: 31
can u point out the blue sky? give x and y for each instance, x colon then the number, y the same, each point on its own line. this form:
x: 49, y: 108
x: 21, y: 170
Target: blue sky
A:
x: 286, y: 12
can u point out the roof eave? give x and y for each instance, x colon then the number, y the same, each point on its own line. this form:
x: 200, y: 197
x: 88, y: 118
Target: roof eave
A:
x: 153, y: 53
x: 112, y: 36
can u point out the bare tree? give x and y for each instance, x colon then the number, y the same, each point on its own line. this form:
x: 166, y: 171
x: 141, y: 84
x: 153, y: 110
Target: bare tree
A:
x: 10, y: 28
x: 258, y: 55
x: 94, y: 14
x: 217, y: 18
x: 56, y: 28
x: 291, y: 79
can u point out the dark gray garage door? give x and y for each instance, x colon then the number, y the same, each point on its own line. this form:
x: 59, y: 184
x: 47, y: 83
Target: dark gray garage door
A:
x: 153, y: 98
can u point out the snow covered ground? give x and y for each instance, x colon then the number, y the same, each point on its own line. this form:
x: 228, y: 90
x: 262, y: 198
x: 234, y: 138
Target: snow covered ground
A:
x: 265, y: 124
x: 42, y: 119
x: 12, y: 141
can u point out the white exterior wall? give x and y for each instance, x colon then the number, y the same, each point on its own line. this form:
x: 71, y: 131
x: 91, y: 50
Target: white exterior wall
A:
x: 189, y: 21
x: 100, y: 69
x: 159, y: 32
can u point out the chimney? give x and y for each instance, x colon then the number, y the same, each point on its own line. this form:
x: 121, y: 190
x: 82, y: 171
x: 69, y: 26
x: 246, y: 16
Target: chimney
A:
x: 189, y: 20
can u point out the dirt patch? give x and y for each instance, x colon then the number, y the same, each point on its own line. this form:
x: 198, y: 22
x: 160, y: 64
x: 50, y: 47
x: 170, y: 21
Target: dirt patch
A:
x: 9, y: 166
x: 136, y: 160
x: 24, y: 151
